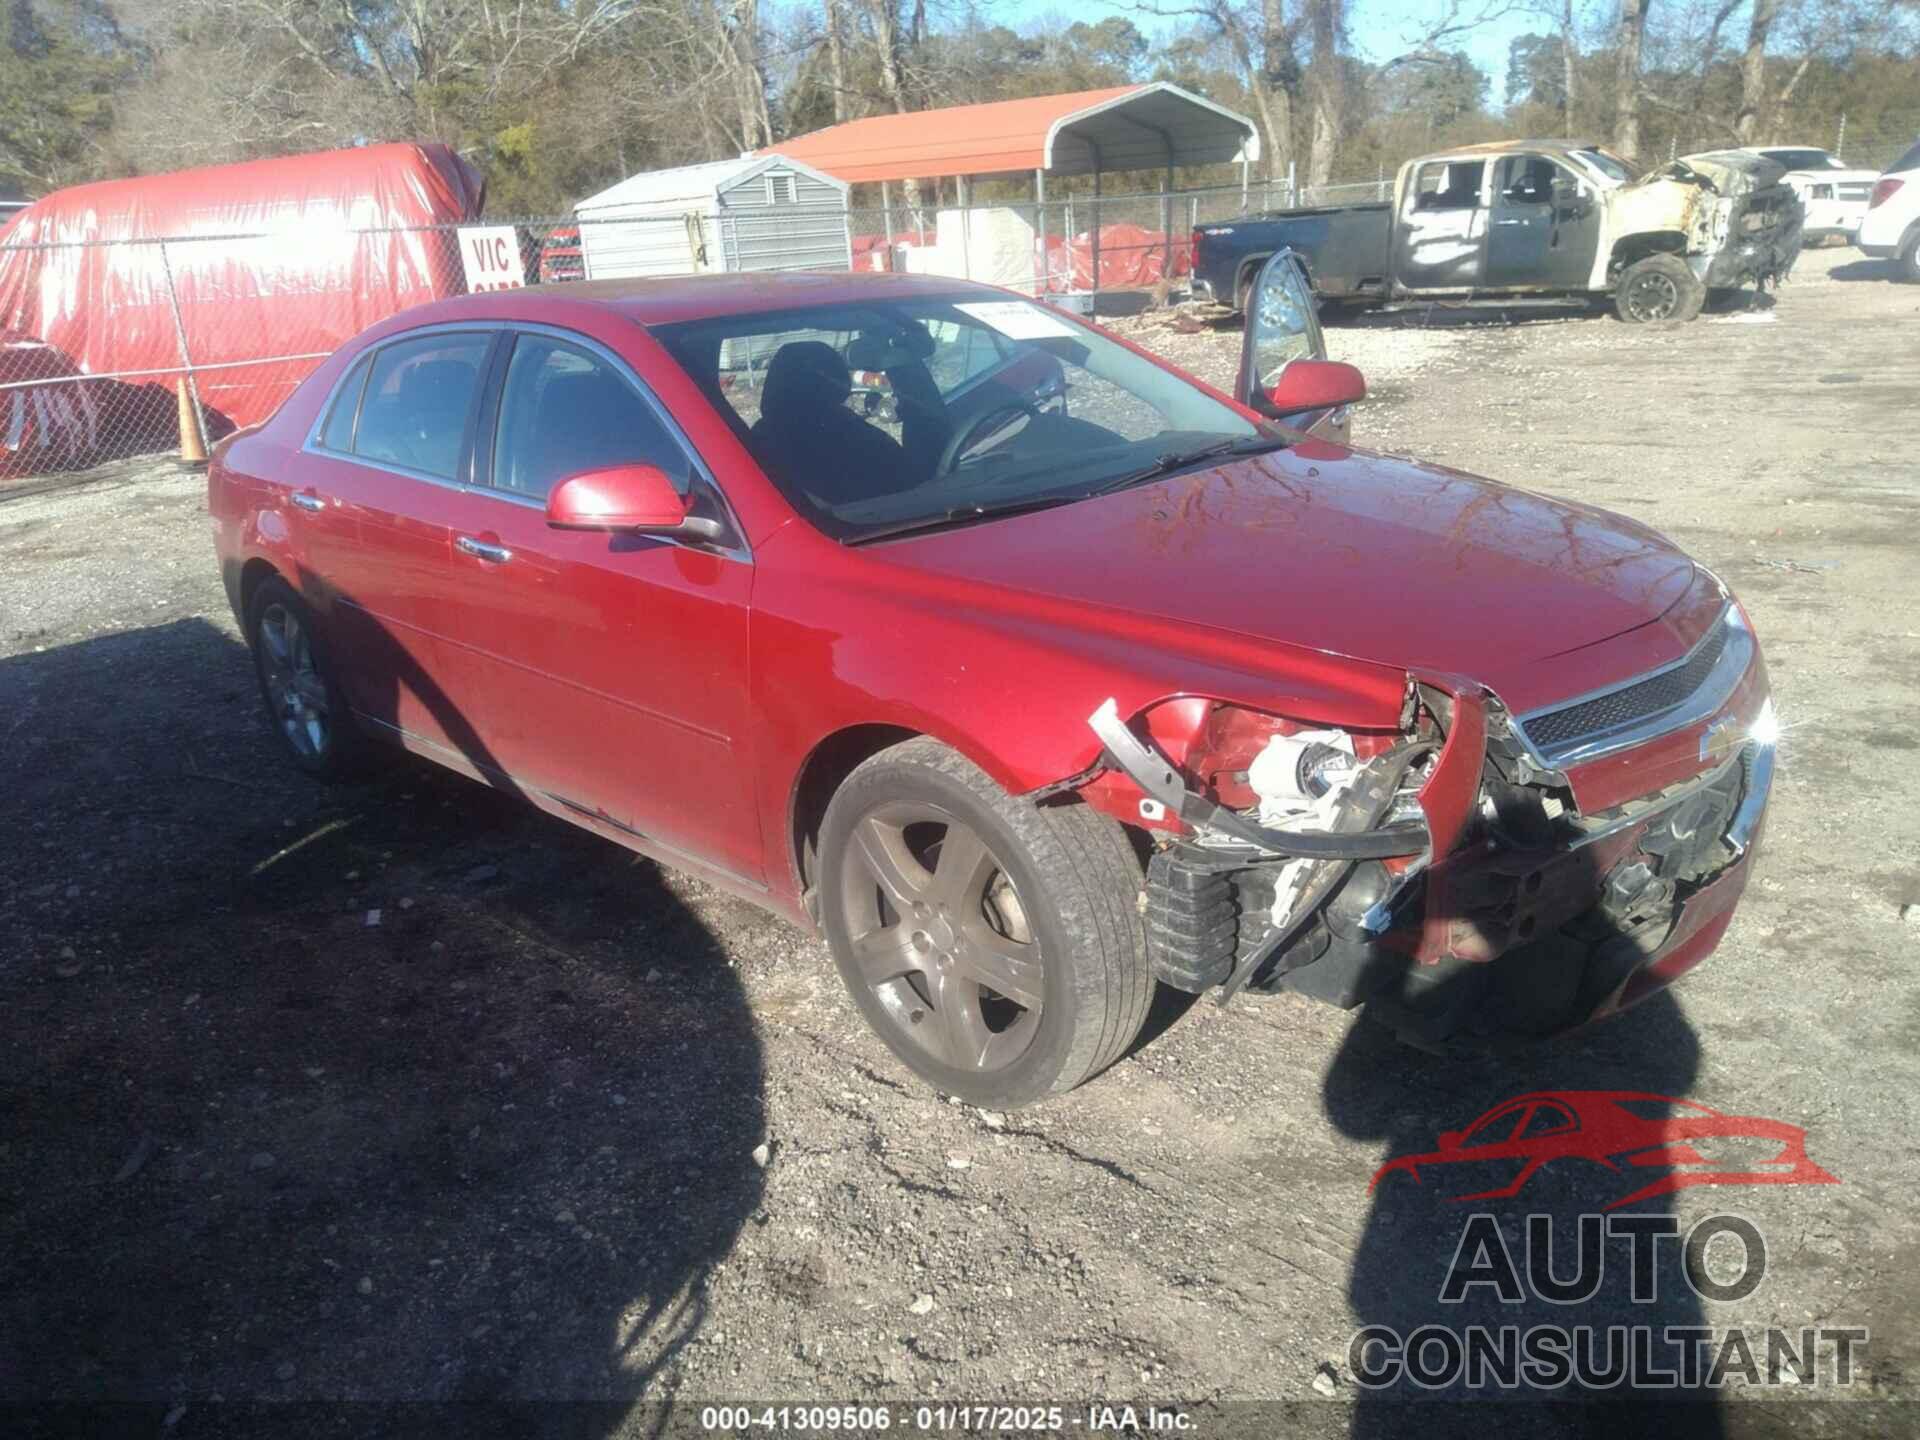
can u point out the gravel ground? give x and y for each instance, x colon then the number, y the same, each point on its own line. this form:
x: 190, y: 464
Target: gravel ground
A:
x: 396, y: 1093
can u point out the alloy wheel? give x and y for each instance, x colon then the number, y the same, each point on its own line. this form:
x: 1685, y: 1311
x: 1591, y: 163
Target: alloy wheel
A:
x: 941, y: 937
x: 296, y: 692
x: 1653, y: 296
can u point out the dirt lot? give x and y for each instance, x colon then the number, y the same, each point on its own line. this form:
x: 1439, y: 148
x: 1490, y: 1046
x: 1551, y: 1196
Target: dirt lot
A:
x: 397, y: 1093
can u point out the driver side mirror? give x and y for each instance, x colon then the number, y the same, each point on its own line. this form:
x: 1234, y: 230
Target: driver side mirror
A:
x: 1282, y: 329
x: 637, y: 499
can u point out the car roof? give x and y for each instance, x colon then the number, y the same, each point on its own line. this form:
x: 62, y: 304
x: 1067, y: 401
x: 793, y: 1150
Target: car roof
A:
x: 1503, y: 147
x: 668, y: 300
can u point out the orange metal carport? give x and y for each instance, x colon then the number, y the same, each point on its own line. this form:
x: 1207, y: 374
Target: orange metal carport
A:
x: 1087, y: 132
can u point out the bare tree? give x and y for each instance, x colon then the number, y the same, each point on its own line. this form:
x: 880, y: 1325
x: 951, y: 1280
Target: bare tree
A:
x: 1264, y: 45
x: 885, y: 15
x: 837, y: 58
x: 1327, y: 22
x: 1626, y: 113
x: 1753, y: 69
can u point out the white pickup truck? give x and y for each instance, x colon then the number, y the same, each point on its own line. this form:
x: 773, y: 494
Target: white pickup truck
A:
x: 1530, y: 219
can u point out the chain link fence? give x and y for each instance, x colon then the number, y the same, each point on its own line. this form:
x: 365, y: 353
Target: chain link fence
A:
x: 112, y: 349
x: 120, y: 348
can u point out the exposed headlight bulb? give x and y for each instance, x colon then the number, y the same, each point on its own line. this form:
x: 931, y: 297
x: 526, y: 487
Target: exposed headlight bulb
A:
x: 1321, y: 767
x: 1294, y: 773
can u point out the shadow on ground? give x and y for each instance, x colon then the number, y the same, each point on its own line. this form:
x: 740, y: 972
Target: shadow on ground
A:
x: 1884, y: 272
x: 1379, y: 1091
x: 258, y: 1146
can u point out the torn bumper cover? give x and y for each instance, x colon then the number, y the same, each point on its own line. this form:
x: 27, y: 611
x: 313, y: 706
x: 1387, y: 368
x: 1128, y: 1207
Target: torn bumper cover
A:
x: 1501, y: 917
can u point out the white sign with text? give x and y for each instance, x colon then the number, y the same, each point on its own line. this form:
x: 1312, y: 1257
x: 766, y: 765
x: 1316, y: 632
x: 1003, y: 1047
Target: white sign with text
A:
x: 491, y: 254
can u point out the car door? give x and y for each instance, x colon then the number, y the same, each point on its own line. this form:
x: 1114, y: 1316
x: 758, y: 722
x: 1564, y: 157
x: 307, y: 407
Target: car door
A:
x: 1281, y: 326
x: 377, y: 526
x: 1440, y: 232
x: 612, y: 667
x: 1545, y: 227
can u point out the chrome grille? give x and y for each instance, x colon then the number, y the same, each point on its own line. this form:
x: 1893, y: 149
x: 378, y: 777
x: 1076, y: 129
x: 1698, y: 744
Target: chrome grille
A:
x: 1666, y: 700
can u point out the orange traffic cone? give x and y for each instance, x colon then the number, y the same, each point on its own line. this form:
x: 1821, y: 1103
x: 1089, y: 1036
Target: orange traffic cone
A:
x: 193, y: 446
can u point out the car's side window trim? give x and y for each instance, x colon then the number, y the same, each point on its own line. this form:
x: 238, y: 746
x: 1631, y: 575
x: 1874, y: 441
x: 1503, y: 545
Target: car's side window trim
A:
x: 356, y: 379
x: 476, y: 461
x: 698, y: 471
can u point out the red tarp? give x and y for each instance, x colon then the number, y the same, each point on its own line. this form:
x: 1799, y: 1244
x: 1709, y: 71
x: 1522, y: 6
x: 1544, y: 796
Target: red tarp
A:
x: 1131, y: 258
x: 302, y: 282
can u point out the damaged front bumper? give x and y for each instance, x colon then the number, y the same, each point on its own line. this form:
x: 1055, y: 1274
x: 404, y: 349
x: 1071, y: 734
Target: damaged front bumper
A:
x: 1506, y: 917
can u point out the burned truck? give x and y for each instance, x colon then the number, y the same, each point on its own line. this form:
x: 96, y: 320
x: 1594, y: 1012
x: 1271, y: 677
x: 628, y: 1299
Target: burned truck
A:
x: 1530, y: 220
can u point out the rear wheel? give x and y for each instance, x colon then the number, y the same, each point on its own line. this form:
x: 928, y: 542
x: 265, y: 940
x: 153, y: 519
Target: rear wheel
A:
x: 993, y: 944
x: 305, y: 704
x: 1659, y: 287
x: 1907, y: 266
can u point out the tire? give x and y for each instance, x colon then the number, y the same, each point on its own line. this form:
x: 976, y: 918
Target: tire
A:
x: 1658, y: 287
x: 1040, y: 900
x: 305, y: 705
x: 1906, y: 268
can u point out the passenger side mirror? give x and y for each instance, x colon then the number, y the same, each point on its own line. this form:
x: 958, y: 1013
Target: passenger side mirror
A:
x: 1282, y: 329
x: 1316, y: 385
x: 638, y: 499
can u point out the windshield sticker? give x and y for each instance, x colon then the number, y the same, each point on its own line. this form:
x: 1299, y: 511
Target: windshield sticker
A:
x: 1016, y: 319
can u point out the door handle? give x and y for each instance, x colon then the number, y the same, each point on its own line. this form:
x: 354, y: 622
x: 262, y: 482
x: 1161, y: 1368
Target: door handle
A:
x: 307, y: 500
x: 481, y: 549
x: 1510, y: 222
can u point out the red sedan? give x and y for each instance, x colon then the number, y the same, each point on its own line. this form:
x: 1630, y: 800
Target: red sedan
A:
x: 1063, y: 674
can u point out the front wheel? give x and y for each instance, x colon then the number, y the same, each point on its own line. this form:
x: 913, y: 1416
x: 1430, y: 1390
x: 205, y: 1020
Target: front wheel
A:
x: 1659, y: 287
x: 994, y: 945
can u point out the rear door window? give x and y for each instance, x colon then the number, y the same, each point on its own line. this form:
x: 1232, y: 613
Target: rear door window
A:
x: 419, y: 401
x: 1449, y: 185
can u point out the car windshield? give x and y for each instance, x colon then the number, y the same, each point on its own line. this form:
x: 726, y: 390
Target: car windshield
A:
x: 1804, y: 159
x: 1606, y: 164
x: 889, y: 416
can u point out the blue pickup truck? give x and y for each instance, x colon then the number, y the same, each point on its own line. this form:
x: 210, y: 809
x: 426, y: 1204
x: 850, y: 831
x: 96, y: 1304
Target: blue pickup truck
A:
x: 1529, y: 219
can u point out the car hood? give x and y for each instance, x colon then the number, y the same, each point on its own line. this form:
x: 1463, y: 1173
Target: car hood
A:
x: 1403, y: 564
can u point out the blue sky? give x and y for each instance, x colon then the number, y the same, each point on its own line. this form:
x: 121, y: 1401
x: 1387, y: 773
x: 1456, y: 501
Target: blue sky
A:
x: 1380, y: 29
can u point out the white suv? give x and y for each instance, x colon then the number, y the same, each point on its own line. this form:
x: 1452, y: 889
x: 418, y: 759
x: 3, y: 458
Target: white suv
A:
x: 1891, y: 229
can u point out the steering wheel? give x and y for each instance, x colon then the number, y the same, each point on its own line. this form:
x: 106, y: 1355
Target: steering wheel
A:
x: 965, y: 437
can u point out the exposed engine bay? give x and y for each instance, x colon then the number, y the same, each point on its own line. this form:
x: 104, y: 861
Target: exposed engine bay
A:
x: 1441, y: 876
x: 1731, y: 214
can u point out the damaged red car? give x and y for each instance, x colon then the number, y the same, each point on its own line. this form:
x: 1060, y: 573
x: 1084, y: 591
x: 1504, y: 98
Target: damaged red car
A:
x: 1060, y: 676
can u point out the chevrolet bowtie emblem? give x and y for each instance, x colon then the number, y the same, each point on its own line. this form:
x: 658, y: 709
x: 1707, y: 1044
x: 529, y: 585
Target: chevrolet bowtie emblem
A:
x: 1719, y: 738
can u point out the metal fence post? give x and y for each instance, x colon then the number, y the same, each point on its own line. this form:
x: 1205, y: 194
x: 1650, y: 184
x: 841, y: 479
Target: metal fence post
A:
x: 187, y: 380
x: 1840, y: 140
x: 886, y: 218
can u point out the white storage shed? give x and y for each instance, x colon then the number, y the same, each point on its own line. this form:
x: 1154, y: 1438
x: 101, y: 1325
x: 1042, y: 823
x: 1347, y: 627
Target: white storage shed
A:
x: 760, y: 212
